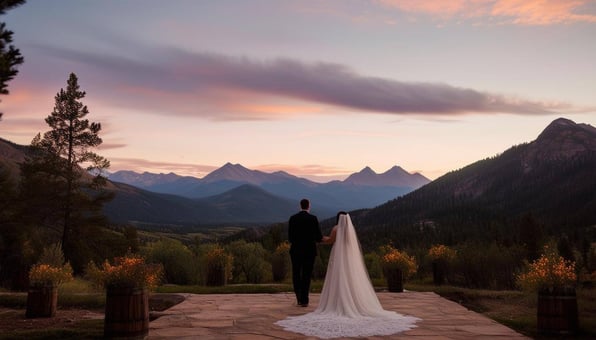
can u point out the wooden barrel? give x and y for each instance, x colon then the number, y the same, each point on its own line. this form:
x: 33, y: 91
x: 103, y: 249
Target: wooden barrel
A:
x: 127, y: 313
x: 557, y: 311
x: 395, y: 280
x: 42, y: 301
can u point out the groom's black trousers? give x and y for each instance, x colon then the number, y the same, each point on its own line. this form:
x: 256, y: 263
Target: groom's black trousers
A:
x: 302, y: 267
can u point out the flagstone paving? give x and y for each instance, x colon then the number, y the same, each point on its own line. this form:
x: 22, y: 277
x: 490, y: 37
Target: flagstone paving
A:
x: 252, y: 316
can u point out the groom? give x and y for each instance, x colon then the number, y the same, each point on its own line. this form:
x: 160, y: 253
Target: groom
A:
x: 304, y: 232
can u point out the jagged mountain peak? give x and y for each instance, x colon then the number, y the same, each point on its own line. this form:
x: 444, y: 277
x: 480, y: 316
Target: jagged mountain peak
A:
x: 396, y: 169
x: 236, y: 173
x: 564, y: 126
x: 229, y: 165
x: 367, y: 171
x: 233, y: 169
x: 365, y: 176
x: 562, y: 139
x: 396, y: 176
x: 228, y: 170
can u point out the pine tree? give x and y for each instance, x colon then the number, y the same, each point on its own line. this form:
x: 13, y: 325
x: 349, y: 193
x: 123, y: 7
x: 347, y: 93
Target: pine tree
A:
x: 63, y: 195
x: 10, y: 56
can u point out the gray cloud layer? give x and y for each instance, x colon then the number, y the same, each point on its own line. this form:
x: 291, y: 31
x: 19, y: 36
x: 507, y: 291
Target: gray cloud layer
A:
x: 180, y: 74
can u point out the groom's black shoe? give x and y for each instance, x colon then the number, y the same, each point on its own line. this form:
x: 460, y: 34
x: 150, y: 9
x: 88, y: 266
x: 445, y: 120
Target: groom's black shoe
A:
x: 301, y: 304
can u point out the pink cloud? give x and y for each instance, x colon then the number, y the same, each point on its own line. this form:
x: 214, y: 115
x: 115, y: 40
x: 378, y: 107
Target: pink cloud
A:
x: 542, y: 12
x: 221, y: 87
x: 442, y: 8
x: 521, y: 12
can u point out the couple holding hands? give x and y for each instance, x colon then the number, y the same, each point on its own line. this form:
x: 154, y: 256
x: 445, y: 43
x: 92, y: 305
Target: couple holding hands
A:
x: 348, y: 304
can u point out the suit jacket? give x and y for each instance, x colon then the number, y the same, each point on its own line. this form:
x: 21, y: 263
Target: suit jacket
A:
x: 304, y: 232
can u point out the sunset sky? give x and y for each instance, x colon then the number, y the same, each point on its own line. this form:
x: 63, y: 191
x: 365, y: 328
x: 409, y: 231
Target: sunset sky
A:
x: 319, y: 89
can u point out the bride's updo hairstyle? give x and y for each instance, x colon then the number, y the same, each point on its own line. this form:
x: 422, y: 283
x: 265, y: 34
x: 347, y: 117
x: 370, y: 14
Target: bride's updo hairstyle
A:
x: 338, y: 215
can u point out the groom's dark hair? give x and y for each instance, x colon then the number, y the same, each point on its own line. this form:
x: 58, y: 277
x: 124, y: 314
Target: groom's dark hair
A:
x: 304, y: 204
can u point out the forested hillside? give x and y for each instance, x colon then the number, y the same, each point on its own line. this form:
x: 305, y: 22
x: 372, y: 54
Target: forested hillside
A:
x: 550, y: 181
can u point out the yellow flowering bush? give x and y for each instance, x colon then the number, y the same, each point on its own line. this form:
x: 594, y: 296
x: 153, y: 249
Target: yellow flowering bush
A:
x: 392, y: 258
x: 48, y: 275
x: 550, y: 271
x: 441, y: 253
x: 282, y: 248
x: 127, y: 271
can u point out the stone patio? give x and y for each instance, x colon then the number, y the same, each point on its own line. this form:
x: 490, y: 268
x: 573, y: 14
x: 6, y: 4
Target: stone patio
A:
x: 252, y: 316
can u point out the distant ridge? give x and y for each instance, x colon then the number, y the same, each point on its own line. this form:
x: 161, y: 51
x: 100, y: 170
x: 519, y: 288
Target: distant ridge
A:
x: 145, y: 179
x: 365, y: 189
x: 236, y: 173
x: 552, y: 178
x: 223, y: 197
x: 251, y: 203
x: 396, y: 176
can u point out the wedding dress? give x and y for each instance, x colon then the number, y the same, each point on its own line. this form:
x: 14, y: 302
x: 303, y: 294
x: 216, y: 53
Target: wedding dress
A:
x: 348, y: 305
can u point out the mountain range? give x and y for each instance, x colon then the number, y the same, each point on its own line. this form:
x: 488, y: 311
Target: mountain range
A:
x: 231, y: 175
x: 229, y: 190
x: 233, y: 194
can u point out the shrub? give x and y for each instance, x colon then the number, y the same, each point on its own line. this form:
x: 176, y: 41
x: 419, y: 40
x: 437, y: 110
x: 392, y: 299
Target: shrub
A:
x: 549, y: 271
x: 52, y: 255
x: 489, y: 266
x: 392, y: 258
x: 51, y: 269
x: 373, y: 265
x: 127, y: 271
x: 249, y: 262
x: 47, y: 275
x: 179, y: 263
x: 441, y: 253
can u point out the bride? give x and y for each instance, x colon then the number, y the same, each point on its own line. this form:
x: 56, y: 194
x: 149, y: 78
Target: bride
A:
x: 348, y: 305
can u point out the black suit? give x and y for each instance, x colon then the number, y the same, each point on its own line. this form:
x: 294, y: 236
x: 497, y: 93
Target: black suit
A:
x: 304, y: 232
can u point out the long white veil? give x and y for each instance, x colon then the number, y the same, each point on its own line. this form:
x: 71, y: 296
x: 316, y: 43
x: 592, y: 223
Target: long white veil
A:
x: 347, y: 290
x: 348, y: 306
